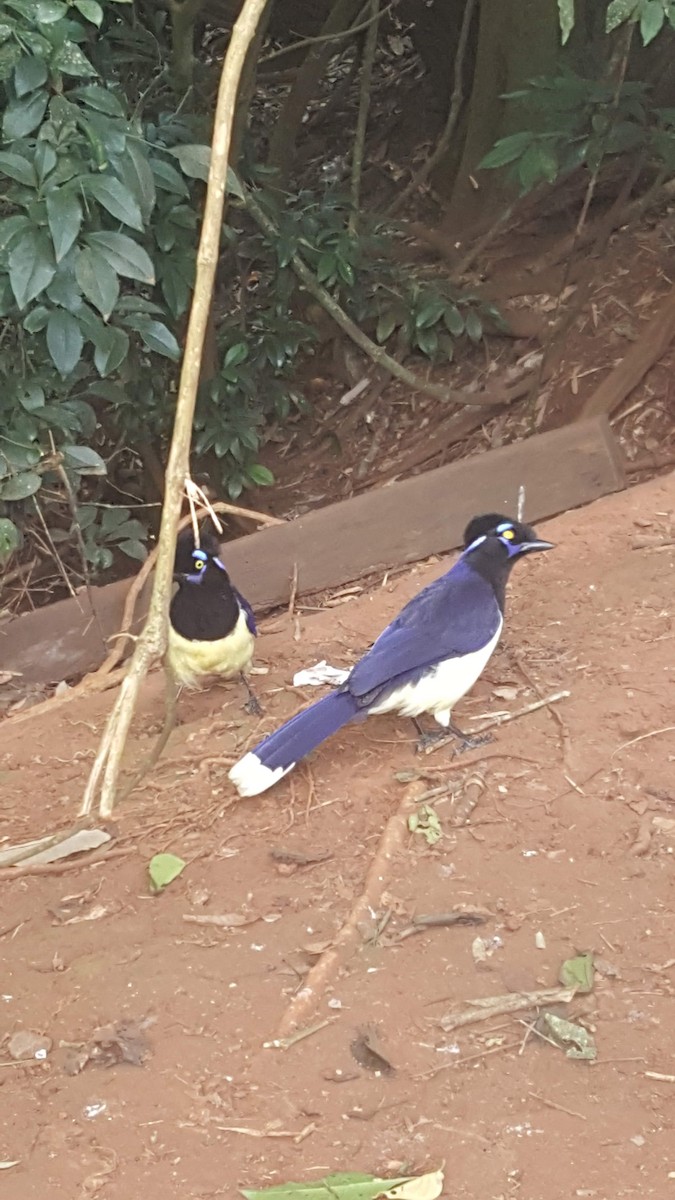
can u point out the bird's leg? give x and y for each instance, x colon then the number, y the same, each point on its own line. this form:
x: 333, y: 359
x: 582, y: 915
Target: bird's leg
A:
x: 469, y: 741
x: 428, y: 738
x: 252, y: 705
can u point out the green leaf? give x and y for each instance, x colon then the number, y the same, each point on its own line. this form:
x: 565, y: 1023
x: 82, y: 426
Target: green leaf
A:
x: 168, y: 178
x: 474, y: 325
x: 23, y: 116
x: 427, y: 340
x: 29, y: 75
x: 111, y: 349
x: 163, y: 869
x: 453, y: 320
x: 566, y: 19
x: 235, y: 355
x: 532, y: 167
x: 133, y: 548
x: 91, y: 11
x: 578, y: 973
x: 63, y: 290
x: 98, y: 281
x: 84, y: 460
x: 45, y: 160
x: 155, y: 335
x: 10, y: 55
x: 32, y: 397
x: 100, y: 99
x: 31, y: 266
x: 652, y: 17
x: 115, y: 198
x: 326, y: 266
x: 345, y: 1186
x: 15, y: 166
x: 64, y: 215
x: 10, y: 539
x: 386, y: 324
x: 36, y: 320
x: 139, y: 178
x: 233, y: 186
x: 175, y: 287
x: 618, y: 12
x: 429, y: 313
x: 346, y: 272
x: 260, y: 475
x: 20, y: 487
x: 506, y: 150
x: 49, y: 11
x: 64, y: 341
x: 70, y: 60
x: 124, y: 255
x: 193, y: 160
x: 12, y: 228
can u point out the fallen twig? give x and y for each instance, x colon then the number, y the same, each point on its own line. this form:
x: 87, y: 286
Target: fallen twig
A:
x: 270, y: 1133
x: 392, y: 841
x: 558, y: 1107
x: 497, y: 1006
x: 439, y: 920
x: 502, y: 719
x: 287, y: 1042
x: 77, y: 864
x: 658, y: 1075
x: 643, y: 737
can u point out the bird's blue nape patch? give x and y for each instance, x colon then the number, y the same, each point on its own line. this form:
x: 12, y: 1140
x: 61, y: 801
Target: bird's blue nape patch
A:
x: 220, y: 564
x: 478, y: 542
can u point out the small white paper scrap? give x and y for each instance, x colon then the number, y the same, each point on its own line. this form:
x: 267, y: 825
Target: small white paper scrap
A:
x: 322, y: 672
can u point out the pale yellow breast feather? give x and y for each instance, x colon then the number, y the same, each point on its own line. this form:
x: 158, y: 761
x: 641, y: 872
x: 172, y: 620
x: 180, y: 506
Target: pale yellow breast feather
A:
x: 192, y: 662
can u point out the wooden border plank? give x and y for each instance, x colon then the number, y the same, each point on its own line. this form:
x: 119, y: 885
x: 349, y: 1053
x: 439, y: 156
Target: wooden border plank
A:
x: 396, y: 524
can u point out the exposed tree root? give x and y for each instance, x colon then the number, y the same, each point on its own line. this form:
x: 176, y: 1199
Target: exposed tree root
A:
x: 349, y: 938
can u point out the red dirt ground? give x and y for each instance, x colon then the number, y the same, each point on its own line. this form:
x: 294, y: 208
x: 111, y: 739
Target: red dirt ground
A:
x: 571, y: 839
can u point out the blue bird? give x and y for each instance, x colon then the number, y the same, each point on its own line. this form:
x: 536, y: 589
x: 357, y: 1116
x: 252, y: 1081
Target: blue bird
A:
x: 212, y: 628
x: 430, y: 655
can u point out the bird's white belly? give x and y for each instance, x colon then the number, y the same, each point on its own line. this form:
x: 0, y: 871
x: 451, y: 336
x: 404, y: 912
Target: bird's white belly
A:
x: 191, y: 662
x: 440, y: 689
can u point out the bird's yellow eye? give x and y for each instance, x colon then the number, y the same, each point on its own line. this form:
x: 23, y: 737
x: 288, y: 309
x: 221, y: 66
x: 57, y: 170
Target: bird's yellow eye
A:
x: 508, y: 534
x: 199, y: 564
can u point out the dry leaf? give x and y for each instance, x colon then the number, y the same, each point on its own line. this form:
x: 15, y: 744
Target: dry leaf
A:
x: 26, y: 1045
x: 425, y: 1187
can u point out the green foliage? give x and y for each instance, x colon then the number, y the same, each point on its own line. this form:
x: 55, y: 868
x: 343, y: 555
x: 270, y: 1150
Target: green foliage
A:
x: 651, y: 15
x: 586, y: 123
x: 98, y: 232
x: 105, y: 529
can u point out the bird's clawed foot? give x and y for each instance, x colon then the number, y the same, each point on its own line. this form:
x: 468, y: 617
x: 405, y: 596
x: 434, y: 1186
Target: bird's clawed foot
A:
x: 252, y: 706
x: 466, y: 741
x: 426, y: 740
x: 472, y: 742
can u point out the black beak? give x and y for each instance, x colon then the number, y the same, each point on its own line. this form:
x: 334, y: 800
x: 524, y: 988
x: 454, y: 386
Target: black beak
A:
x: 537, y: 544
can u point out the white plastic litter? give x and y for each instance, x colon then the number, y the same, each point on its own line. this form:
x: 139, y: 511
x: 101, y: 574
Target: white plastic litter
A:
x: 322, y: 672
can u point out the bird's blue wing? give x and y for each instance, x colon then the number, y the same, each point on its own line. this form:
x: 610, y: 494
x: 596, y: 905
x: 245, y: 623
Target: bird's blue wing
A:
x: 455, y: 615
x: 246, y: 608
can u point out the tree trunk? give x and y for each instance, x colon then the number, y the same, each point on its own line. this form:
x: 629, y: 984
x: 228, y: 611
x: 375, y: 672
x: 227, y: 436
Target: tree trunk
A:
x: 517, y: 39
x: 303, y: 90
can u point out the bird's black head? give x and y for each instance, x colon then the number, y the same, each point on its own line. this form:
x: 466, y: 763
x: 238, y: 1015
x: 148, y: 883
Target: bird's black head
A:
x: 198, y: 564
x: 502, y: 537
